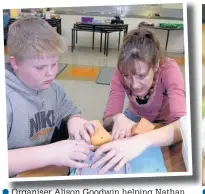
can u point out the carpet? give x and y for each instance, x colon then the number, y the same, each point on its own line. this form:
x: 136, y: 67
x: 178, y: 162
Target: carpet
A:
x: 61, y: 67
x: 106, y: 73
x: 180, y: 61
x: 79, y: 72
x: 5, y: 51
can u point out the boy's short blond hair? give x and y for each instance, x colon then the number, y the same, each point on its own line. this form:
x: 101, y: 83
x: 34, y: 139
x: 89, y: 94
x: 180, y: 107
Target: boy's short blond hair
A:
x: 32, y: 37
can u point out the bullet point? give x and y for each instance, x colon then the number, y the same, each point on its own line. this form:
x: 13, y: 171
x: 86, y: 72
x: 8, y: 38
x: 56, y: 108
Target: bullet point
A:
x: 5, y: 191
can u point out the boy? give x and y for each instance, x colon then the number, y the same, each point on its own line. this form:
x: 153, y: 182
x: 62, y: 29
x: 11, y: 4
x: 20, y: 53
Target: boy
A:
x: 36, y: 104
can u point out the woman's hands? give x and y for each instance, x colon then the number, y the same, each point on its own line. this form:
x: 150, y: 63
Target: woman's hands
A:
x: 122, y: 126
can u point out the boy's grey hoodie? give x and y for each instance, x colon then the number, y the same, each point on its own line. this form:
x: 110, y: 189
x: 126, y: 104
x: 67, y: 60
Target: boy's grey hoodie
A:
x: 33, y: 115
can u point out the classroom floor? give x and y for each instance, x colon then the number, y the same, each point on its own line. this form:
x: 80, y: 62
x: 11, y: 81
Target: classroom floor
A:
x: 89, y: 96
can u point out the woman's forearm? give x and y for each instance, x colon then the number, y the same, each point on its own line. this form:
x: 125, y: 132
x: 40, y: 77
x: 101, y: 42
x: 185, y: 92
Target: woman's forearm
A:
x: 165, y: 136
x: 162, y: 136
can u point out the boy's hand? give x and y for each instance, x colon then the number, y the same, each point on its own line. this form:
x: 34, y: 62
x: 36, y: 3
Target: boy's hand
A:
x: 79, y: 128
x: 69, y: 153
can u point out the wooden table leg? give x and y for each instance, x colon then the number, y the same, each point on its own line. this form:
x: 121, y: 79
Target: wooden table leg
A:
x: 173, y: 158
x: 46, y: 171
x: 203, y: 171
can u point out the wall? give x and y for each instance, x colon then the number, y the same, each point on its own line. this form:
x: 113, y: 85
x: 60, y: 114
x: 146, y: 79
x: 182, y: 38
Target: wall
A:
x: 176, y: 38
x: 172, y: 6
x: 174, y: 11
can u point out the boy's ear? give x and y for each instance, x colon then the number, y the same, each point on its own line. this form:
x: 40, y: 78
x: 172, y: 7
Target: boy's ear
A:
x: 13, y: 63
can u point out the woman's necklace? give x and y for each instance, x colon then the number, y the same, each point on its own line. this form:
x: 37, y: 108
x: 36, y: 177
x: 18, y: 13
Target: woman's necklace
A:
x: 147, y: 96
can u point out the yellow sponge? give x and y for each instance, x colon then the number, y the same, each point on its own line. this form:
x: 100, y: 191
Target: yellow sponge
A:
x: 101, y: 136
x: 142, y: 127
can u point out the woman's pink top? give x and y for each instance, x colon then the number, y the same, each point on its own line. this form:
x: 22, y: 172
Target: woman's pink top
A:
x: 166, y: 104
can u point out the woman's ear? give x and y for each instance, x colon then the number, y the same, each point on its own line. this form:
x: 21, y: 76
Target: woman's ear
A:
x: 13, y: 63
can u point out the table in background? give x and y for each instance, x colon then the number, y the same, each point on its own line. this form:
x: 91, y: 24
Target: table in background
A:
x: 100, y: 28
x: 161, y: 28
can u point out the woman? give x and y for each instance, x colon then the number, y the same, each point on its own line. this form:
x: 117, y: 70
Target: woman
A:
x: 155, y: 89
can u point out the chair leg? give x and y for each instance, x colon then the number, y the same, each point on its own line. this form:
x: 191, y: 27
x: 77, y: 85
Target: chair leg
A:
x: 72, y: 40
x: 76, y: 34
x: 101, y: 42
x: 119, y: 40
x: 107, y: 47
x: 105, y: 43
x: 93, y: 40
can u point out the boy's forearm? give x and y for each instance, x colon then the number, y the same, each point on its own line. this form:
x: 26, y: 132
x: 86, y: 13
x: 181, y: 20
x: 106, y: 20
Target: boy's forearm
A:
x: 165, y: 136
x: 24, y: 159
